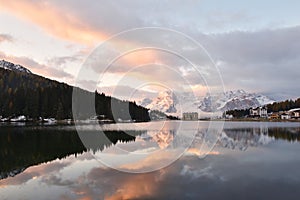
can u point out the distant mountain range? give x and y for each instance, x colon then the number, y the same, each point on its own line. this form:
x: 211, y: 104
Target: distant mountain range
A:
x: 173, y: 104
x: 230, y: 100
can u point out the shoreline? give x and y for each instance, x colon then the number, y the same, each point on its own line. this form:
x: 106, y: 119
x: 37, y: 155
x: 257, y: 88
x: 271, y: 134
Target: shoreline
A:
x: 92, y: 122
x: 256, y: 120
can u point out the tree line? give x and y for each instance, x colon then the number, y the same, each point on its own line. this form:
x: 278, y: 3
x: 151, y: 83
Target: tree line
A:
x: 274, y: 107
x: 36, y: 96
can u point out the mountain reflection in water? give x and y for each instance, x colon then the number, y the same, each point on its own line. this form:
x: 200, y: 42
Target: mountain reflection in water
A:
x: 22, y: 147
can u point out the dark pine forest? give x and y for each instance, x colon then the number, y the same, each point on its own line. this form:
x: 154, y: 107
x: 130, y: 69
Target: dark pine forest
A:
x: 36, y: 96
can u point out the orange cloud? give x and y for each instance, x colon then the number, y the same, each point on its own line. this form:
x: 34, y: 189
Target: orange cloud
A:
x: 156, y: 160
x: 65, y: 24
x: 58, y: 22
x: 138, y: 186
x: 140, y: 57
x: 197, y: 152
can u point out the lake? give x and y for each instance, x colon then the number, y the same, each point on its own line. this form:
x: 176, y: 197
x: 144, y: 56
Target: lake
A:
x: 155, y: 160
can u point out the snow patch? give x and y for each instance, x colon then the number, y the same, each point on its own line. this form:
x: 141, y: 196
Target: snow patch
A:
x: 11, y: 66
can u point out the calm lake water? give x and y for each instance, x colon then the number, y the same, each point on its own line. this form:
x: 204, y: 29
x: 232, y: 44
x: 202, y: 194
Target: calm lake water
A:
x: 156, y: 160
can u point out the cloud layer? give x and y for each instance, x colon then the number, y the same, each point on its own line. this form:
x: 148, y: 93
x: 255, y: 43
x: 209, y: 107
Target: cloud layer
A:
x: 38, y: 68
x: 249, y: 57
x: 5, y: 38
x: 264, y: 61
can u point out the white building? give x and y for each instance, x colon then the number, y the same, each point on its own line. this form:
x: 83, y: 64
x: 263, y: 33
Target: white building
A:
x: 285, y: 116
x: 259, y: 112
x: 190, y: 116
x: 294, y: 113
x: 290, y: 114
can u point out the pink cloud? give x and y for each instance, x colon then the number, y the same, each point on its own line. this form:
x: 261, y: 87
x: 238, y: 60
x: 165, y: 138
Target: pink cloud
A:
x: 54, y: 20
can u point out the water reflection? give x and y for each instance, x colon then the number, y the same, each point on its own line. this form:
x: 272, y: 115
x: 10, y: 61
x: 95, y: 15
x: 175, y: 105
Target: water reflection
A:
x: 232, y: 168
x: 21, y: 147
x: 242, y: 138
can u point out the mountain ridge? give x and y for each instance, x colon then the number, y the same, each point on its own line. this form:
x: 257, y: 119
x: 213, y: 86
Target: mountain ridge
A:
x: 176, y: 104
x: 13, y: 67
x: 234, y: 99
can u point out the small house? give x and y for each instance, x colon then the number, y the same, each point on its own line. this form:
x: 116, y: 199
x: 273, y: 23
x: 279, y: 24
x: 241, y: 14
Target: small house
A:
x: 285, y: 116
x: 294, y: 113
x: 274, y: 116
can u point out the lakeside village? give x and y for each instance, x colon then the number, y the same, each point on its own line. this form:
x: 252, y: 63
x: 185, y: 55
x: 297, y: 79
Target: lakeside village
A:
x: 261, y: 113
x: 288, y: 110
x: 258, y: 113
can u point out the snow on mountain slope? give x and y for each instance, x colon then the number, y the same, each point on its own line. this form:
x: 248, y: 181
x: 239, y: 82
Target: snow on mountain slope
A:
x: 172, y: 104
x: 230, y: 100
x: 10, y: 66
x: 166, y: 102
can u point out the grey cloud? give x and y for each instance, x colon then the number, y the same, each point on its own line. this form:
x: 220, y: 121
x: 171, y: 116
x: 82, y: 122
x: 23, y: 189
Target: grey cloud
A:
x: 115, y: 16
x: 196, y: 173
x: 36, y: 67
x: 40, y: 68
x: 112, y: 17
x: 124, y: 92
x: 266, y: 61
x: 6, y: 38
x: 272, y: 46
x: 39, y: 171
x: 58, y: 61
x: 218, y: 20
x: 55, y: 180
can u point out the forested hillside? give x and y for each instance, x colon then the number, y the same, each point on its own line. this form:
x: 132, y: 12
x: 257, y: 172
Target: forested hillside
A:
x: 35, y: 96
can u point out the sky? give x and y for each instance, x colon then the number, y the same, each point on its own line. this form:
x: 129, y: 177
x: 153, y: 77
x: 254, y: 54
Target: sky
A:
x: 254, y: 44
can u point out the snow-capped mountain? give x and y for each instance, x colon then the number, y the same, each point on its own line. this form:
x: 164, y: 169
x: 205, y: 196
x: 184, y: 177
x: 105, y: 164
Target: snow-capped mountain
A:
x: 165, y: 102
x: 172, y: 103
x: 11, y: 66
x: 176, y: 104
x: 230, y: 100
